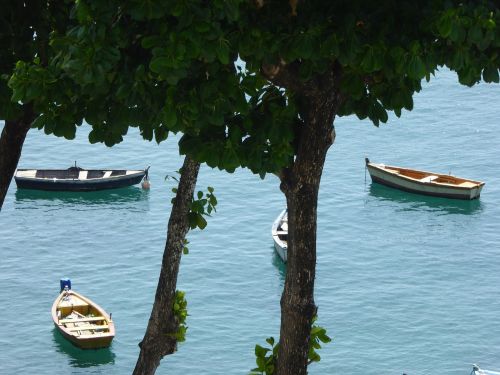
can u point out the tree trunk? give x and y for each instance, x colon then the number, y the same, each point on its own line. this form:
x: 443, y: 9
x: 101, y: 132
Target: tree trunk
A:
x: 158, y: 340
x: 11, y: 144
x: 300, y: 183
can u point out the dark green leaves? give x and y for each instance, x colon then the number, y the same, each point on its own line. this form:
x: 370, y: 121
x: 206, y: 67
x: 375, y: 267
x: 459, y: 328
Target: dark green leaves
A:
x: 373, y: 59
x: 416, y: 67
x: 201, y: 206
x: 223, y: 51
x: 265, y: 358
x: 490, y: 74
x: 179, y: 310
x: 445, y: 25
x: 318, y: 336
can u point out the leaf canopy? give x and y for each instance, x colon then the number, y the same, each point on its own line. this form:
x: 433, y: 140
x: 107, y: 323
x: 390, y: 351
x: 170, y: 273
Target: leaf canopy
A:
x: 231, y: 75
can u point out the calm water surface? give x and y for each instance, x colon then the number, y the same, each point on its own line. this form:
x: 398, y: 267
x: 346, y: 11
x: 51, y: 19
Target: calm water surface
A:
x: 405, y: 283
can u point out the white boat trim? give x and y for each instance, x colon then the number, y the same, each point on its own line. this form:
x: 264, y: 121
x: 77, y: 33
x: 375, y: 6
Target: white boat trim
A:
x: 30, y: 173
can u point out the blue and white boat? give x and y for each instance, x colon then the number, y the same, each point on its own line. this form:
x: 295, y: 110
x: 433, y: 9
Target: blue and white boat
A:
x: 77, y: 179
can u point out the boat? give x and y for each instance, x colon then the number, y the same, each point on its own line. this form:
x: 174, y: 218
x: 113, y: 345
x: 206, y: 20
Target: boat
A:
x: 279, y: 232
x: 478, y: 371
x: 80, y: 320
x: 422, y: 182
x: 77, y: 179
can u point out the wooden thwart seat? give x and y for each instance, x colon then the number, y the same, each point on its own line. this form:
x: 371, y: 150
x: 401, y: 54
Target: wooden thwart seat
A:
x: 429, y: 178
x: 93, y: 335
x: 79, y: 320
x: 89, y: 327
x: 468, y: 184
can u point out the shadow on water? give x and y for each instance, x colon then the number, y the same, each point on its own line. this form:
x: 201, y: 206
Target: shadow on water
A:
x: 80, y: 357
x: 112, y: 196
x: 279, y: 264
x: 424, y: 202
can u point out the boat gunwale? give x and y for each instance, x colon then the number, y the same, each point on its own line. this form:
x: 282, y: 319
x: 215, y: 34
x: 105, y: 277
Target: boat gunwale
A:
x: 135, y: 173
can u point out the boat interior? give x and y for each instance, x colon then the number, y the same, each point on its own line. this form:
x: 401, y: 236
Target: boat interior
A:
x: 79, y: 317
x: 77, y: 173
x: 282, y: 231
x: 429, y: 177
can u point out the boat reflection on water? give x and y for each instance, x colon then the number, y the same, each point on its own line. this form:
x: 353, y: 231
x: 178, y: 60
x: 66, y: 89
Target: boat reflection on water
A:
x: 79, y: 357
x: 102, y: 197
x: 424, y: 202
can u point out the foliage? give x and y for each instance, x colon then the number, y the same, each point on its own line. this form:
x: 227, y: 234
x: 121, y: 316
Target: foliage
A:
x: 197, y: 67
x: 24, y: 29
x: 180, y: 312
x: 202, y: 206
x: 266, y: 357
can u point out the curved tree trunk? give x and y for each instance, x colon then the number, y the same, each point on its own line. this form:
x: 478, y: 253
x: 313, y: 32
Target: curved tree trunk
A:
x: 157, y: 340
x: 11, y: 144
x: 300, y: 183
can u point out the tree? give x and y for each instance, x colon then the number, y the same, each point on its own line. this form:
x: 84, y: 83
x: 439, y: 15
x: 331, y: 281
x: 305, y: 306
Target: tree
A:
x: 305, y: 63
x: 165, y: 324
x: 24, y: 35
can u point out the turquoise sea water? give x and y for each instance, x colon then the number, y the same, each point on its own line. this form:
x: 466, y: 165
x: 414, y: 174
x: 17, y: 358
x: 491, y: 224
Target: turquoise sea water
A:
x: 405, y: 283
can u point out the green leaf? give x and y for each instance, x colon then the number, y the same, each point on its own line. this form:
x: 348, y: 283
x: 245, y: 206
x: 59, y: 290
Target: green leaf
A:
x: 457, y: 33
x: 151, y: 41
x: 416, y: 67
x: 201, y: 222
x: 372, y: 60
x: 223, y: 52
x: 159, y: 64
x: 380, y: 112
x: 82, y: 11
x: 161, y: 134
x: 261, y: 363
x: 475, y: 34
x: 490, y: 74
x: 260, y: 352
x: 445, y: 26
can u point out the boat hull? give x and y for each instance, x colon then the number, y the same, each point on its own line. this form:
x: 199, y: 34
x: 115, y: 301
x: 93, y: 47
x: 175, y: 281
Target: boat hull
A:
x: 383, y: 177
x: 281, y: 250
x: 87, y: 343
x: 79, y: 185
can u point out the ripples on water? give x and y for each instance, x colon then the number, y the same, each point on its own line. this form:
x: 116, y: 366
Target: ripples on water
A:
x: 405, y: 283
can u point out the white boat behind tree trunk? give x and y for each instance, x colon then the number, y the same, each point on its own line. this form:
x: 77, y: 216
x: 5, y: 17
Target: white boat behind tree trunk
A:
x: 279, y: 231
